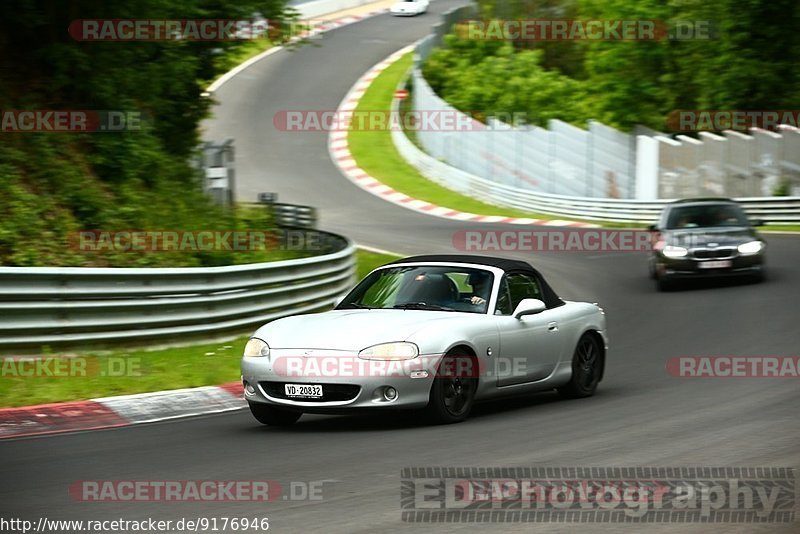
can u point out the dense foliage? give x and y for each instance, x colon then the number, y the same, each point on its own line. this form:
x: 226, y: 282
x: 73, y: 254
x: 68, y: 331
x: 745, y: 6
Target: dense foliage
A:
x: 749, y: 63
x: 55, y: 183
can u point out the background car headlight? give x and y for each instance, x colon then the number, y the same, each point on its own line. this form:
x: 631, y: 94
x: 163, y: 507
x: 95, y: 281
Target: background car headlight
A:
x: 256, y: 347
x: 400, y: 350
x: 671, y: 251
x: 750, y: 248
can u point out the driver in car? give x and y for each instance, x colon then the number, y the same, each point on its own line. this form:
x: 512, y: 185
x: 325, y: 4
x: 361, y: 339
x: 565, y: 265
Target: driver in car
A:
x: 480, y: 288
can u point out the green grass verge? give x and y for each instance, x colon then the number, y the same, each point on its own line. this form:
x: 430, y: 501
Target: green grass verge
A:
x: 376, y: 154
x: 367, y: 261
x: 243, y: 50
x: 780, y: 228
x: 95, y: 373
x: 241, y: 53
x: 120, y: 372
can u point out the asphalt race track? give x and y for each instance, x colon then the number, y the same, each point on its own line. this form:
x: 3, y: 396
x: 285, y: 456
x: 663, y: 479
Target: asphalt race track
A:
x: 640, y: 416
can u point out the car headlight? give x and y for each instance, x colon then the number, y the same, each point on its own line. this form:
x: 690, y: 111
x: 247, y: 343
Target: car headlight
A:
x: 256, y: 347
x: 750, y: 248
x: 671, y: 251
x: 400, y: 350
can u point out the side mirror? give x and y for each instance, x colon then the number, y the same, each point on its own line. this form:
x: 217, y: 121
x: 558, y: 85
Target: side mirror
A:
x: 756, y: 222
x: 529, y: 307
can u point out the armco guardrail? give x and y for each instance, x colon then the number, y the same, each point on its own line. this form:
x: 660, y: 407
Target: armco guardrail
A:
x: 599, y: 161
x: 66, y: 305
x: 294, y: 216
x: 772, y: 210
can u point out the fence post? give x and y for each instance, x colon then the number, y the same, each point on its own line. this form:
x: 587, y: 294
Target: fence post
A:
x: 647, y: 157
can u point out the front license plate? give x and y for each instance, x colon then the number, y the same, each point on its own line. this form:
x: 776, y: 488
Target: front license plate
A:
x: 719, y: 264
x: 303, y: 390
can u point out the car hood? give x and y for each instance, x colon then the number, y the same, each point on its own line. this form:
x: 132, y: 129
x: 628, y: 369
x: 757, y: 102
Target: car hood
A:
x: 349, y: 330
x: 702, y: 237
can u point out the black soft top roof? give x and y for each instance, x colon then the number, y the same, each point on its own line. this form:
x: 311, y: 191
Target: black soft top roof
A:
x: 551, y: 299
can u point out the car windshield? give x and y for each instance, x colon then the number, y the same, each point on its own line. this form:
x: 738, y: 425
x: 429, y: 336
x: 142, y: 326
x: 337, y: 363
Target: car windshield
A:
x: 706, y: 216
x: 426, y: 287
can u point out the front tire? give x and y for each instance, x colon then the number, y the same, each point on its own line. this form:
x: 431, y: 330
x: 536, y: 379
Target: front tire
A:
x: 587, y: 365
x: 454, y: 388
x: 270, y: 415
x: 664, y: 284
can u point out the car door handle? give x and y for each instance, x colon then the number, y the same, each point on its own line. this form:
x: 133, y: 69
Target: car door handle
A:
x: 552, y: 327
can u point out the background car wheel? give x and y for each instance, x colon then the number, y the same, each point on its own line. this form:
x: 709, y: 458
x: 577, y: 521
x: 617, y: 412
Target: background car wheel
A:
x: 664, y: 284
x: 270, y: 415
x: 453, y: 390
x: 587, y: 364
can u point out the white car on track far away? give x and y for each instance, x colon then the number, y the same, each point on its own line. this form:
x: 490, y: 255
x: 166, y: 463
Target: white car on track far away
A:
x: 434, y: 333
x: 409, y: 8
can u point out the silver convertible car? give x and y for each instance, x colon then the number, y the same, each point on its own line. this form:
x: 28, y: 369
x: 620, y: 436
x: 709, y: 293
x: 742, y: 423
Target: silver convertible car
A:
x: 435, y: 333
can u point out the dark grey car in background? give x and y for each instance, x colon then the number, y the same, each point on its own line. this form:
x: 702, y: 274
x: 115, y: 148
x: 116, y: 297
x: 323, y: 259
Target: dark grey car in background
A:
x: 697, y: 238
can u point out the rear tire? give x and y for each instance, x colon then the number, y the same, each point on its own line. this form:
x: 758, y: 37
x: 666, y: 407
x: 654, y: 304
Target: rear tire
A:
x: 453, y: 390
x: 587, y: 367
x: 270, y: 415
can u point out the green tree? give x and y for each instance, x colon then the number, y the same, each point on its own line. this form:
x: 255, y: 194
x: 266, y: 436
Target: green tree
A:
x: 54, y: 183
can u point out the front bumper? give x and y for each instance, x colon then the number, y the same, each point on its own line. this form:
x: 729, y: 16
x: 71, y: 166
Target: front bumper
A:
x: 348, y: 383
x: 692, y: 268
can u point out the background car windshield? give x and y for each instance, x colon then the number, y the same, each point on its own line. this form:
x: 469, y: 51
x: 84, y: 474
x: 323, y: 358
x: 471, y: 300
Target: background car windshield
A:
x: 423, y: 287
x: 706, y: 215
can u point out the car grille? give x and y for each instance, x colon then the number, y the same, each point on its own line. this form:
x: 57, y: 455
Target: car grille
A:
x: 330, y: 392
x: 714, y: 253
